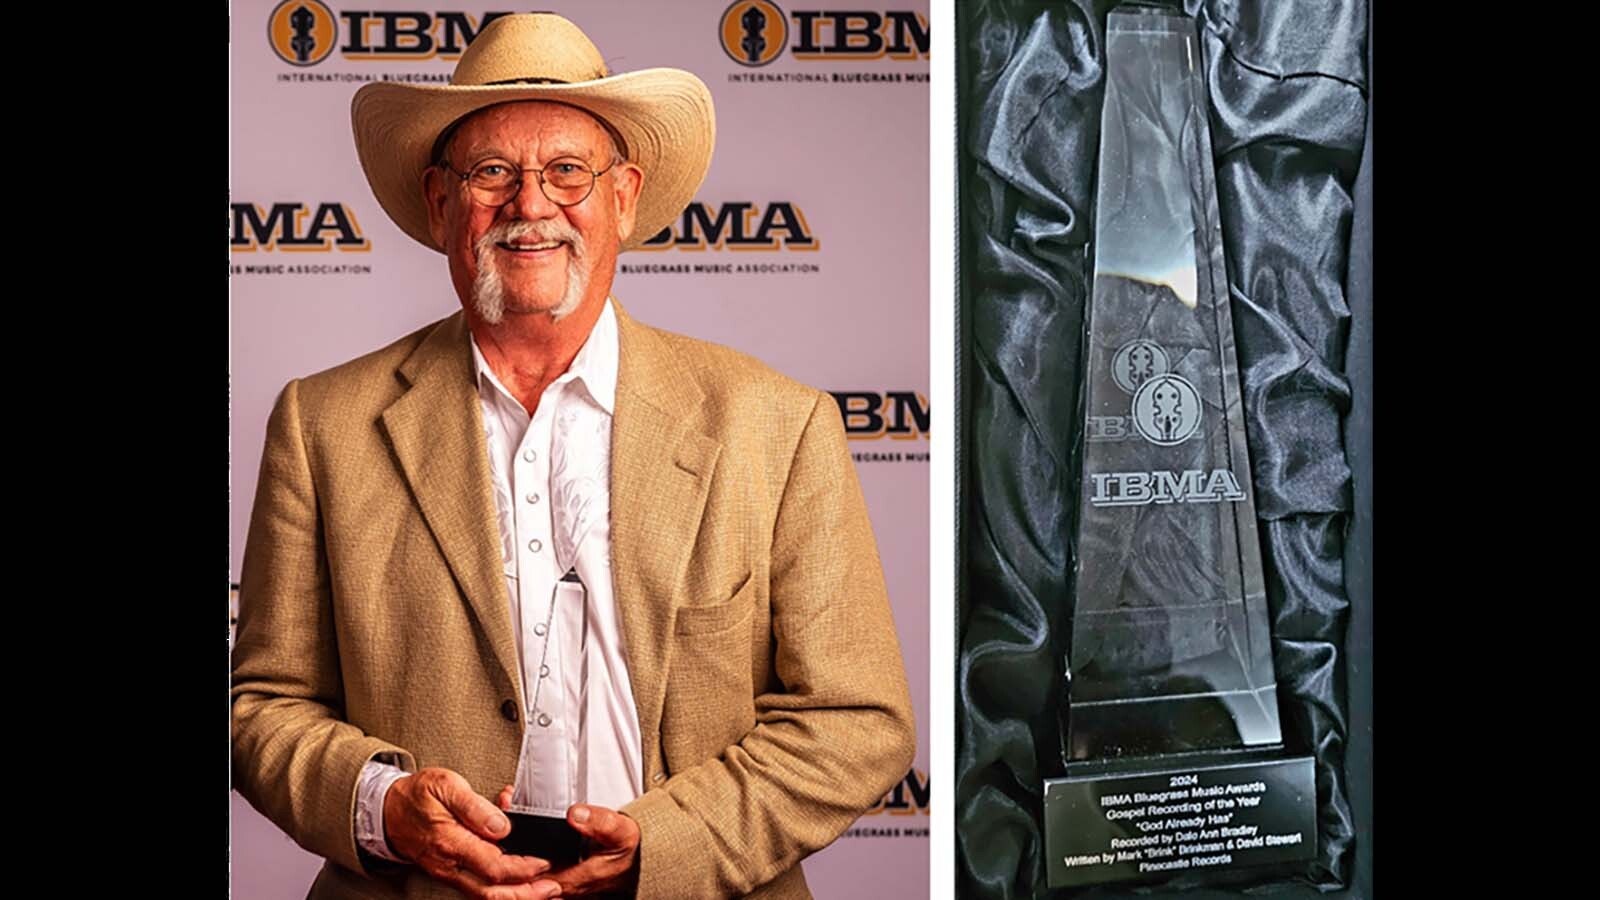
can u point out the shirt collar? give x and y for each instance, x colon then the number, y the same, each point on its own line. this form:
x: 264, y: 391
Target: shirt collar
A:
x: 595, y: 366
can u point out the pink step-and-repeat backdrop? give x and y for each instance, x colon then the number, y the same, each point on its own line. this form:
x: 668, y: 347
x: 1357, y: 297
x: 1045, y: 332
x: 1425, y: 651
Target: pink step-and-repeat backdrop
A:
x: 807, y: 247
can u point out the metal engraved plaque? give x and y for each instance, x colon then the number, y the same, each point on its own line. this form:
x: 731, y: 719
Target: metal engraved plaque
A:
x: 1170, y: 648
x: 1180, y: 821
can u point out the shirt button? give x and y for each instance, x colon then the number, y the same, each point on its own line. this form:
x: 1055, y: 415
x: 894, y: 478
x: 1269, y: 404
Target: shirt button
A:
x: 535, y: 546
x: 544, y: 671
x: 544, y: 720
x: 530, y: 455
x: 509, y: 710
x: 658, y: 777
x: 539, y: 629
x: 533, y: 498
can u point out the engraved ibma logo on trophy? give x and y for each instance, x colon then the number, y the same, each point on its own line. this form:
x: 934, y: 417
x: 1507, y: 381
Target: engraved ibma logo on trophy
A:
x: 1166, y: 407
x: 1136, y: 362
x: 1165, y: 411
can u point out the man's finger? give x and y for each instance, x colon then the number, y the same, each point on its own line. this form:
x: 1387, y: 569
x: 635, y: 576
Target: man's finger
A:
x: 471, y: 810
x: 583, y: 877
x: 607, y: 828
x: 485, y: 860
x: 504, y: 800
x: 476, y: 887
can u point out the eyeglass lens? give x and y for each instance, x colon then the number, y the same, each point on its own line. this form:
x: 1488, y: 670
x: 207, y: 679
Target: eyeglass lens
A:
x: 565, y: 181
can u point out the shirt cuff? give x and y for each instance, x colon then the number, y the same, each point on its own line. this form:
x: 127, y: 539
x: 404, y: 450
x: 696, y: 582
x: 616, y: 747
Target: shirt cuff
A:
x: 373, y: 786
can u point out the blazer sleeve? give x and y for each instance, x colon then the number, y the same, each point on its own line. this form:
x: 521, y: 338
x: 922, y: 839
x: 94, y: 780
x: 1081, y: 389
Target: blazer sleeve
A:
x: 832, y: 738
x: 294, y: 758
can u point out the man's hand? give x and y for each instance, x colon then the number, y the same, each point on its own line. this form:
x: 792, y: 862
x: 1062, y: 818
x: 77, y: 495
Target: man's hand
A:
x: 434, y: 819
x: 611, y: 864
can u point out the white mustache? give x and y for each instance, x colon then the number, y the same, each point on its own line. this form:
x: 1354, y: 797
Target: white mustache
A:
x: 538, y: 230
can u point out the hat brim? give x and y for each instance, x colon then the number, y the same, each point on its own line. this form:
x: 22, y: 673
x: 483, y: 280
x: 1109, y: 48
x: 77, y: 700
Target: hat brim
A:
x: 664, y: 115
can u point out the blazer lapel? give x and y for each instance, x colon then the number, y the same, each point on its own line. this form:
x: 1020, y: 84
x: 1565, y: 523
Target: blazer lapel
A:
x: 661, y: 470
x: 437, y: 431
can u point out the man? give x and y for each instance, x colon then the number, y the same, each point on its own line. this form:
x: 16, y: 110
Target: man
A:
x: 540, y: 552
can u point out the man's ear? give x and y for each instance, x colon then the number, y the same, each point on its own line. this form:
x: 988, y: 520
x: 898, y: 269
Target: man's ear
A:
x: 435, y: 195
x: 629, y: 181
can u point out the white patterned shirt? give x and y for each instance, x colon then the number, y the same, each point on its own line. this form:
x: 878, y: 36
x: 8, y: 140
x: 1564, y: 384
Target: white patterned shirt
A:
x: 552, y: 486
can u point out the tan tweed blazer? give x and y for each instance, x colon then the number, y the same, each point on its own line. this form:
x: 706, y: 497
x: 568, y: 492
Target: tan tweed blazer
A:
x: 373, y: 616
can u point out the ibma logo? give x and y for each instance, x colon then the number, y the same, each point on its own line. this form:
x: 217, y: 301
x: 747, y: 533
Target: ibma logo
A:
x: 1144, y: 488
x: 302, y: 32
x: 755, y: 32
x: 739, y: 225
x: 294, y: 226
x: 305, y: 32
x: 869, y: 415
x: 908, y: 798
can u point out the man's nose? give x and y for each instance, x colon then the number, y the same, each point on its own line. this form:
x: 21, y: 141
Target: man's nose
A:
x: 529, y: 202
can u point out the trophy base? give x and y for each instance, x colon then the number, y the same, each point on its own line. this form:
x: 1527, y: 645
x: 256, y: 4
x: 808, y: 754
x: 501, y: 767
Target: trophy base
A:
x: 547, y: 837
x: 1158, y: 817
x: 1183, y: 710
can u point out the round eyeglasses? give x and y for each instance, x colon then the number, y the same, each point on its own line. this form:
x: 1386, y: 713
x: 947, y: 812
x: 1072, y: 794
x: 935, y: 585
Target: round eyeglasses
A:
x: 566, y: 181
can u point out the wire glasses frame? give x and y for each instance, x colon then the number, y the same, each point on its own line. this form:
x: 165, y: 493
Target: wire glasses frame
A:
x: 566, y: 181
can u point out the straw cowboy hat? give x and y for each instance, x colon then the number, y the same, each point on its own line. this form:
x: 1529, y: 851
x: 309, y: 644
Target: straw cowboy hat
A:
x: 663, y: 117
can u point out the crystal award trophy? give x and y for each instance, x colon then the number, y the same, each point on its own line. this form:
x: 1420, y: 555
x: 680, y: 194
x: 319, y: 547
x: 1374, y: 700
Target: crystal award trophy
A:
x: 1172, y: 751
x: 541, y: 794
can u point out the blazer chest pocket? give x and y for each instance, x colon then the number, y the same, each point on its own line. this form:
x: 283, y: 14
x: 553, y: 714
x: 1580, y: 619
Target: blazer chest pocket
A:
x: 718, y: 617
x: 710, y: 700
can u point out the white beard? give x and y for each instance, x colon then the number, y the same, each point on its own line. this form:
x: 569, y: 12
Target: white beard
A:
x: 489, y: 288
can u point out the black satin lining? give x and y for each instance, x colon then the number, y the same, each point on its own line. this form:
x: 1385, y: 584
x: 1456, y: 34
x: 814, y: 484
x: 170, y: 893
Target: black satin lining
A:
x: 1288, y: 110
